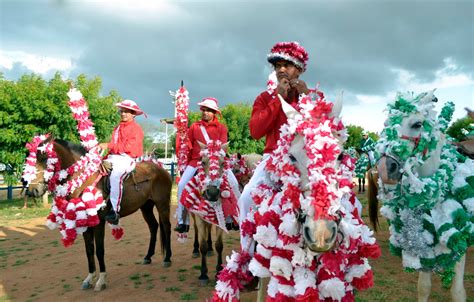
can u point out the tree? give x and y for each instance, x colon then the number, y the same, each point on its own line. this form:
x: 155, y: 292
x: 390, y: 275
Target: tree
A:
x: 33, y: 106
x: 455, y: 129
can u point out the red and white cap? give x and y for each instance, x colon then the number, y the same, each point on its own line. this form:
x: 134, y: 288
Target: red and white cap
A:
x: 289, y: 51
x: 129, y: 104
x: 209, y: 103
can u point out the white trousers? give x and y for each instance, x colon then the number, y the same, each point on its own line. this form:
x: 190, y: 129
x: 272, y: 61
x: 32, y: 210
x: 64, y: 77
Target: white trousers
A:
x: 371, y: 158
x: 246, y: 202
x: 121, y: 166
x: 181, y: 212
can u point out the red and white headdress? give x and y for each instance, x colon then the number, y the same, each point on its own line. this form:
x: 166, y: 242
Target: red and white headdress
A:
x: 289, y: 51
x: 129, y: 104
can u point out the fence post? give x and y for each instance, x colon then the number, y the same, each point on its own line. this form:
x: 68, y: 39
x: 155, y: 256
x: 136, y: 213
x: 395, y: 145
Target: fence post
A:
x: 10, y: 192
x: 172, y: 171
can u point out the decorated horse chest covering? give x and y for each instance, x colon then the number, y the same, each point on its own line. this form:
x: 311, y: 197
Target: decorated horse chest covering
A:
x: 431, y: 218
x: 361, y: 166
x: 296, y: 273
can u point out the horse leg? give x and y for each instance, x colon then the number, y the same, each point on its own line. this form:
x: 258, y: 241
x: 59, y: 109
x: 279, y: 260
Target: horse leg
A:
x: 363, y: 184
x: 210, y: 250
x: 99, y: 235
x: 203, y: 230
x: 424, y: 286
x: 149, y: 216
x: 360, y: 188
x: 196, y: 240
x: 262, y: 285
x: 88, y: 236
x: 165, y: 233
x: 219, y: 248
x: 458, y: 293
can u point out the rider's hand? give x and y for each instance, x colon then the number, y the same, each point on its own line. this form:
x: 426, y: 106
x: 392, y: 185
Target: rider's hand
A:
x: 283, y: 87
x: 104, y: 146
x: 299, y: 85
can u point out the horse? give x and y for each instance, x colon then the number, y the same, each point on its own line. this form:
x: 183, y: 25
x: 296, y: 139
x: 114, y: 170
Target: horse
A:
x: 150, y: 187
x: 310, y: 239
x: 243, y: 166
x: 211, y: 199
x: 361, y: 167
x: 427, y: 191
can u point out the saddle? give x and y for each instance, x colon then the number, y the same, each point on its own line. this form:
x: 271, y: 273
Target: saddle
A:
x: 135, y: 177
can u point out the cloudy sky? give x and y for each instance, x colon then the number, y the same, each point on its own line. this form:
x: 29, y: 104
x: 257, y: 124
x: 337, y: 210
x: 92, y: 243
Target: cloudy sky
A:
x: 369, y: 48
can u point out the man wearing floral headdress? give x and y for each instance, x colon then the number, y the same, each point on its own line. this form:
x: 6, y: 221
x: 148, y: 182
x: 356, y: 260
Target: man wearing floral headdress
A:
x: 208, y: 128
x: 367, y: 145
x: 289, y: 61
x: 124, y: 147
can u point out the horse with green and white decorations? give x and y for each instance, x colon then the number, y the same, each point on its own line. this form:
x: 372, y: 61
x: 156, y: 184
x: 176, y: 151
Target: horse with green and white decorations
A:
x: 427, y: 190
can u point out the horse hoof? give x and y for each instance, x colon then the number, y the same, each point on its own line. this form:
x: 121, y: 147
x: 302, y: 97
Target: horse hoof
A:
x: 146, y: 261
x: 166, y: 263
x: 196, y: 255
x: 86, y: 285
x: 210, y: 253
x: 203, y: 282
x: 100, y: 287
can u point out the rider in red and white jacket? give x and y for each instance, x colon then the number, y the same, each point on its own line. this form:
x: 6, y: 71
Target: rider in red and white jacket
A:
x: 289, y: 62
x: 124, y: 147
x: 216, y: 131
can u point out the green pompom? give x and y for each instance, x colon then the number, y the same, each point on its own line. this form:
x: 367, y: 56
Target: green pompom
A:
x: 447, y: 277
x: 460, y: 218
x: 396, y: 251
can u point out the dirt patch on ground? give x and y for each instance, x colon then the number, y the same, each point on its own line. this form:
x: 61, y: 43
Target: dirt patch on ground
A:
x: 34, y: 266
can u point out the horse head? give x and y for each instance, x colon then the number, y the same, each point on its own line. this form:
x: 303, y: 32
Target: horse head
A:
x: 212, y: 168
x: 46, y: 157
x: 316, y: 137
x: 413, y: 138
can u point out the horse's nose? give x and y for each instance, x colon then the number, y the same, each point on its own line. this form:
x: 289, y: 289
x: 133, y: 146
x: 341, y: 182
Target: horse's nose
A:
x: 389, y: 170
x: 212, y: 193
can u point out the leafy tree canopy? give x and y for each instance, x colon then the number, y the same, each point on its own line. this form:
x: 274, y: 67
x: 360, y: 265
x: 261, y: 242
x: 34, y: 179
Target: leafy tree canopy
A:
x: 32, y: 105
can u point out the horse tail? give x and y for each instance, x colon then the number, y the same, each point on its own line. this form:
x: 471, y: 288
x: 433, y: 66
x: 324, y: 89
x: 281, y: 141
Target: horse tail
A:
x: 372, y: 192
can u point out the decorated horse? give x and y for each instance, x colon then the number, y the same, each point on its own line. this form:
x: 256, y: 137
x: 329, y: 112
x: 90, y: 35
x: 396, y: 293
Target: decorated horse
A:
x: 310, y: 239
x: 243, y: 166
x: 427, y: 190
x: 361, y: 166
x: 72, y: 174
x: 211, y: 196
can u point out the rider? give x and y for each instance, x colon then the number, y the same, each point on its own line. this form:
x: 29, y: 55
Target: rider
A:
x: 208, y: 128
x: 367, y: 145
x: 289, y: 62
x: 125, y: 146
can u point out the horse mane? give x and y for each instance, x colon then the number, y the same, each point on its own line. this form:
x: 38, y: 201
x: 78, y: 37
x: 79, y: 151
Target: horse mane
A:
x: 74, y: 148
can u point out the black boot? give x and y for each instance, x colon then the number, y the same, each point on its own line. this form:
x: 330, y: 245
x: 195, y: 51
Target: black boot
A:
x: 112, y: 217
x: 182, y: 228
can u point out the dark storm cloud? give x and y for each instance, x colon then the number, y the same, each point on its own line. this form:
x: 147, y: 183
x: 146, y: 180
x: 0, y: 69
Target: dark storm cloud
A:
x: 219, y: 48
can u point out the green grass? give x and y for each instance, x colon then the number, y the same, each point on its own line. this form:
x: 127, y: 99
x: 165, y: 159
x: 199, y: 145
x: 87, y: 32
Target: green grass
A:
x: 188, y: 296
x: 12, y: 212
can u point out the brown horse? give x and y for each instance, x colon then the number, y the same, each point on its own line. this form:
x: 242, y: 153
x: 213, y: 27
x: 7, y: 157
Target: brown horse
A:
x: 149, y: 188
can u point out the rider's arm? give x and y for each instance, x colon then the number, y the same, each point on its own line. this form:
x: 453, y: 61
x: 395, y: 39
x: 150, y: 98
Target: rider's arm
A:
x: 264, y: 115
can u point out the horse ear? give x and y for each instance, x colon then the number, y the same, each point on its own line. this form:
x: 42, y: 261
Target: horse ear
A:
x: 289, y: 111
x: 429, y: 97
x: 337, y: 106
x: 203, y: 146
x: 224, y: 146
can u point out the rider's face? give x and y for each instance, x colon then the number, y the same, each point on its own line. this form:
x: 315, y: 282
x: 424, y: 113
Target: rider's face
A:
x: 126, y: 115
x: 286, y: 69
x: 207, y: 114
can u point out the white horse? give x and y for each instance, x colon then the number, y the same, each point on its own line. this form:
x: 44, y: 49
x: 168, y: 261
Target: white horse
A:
x: 310, y: 240
x: 426, y: 197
